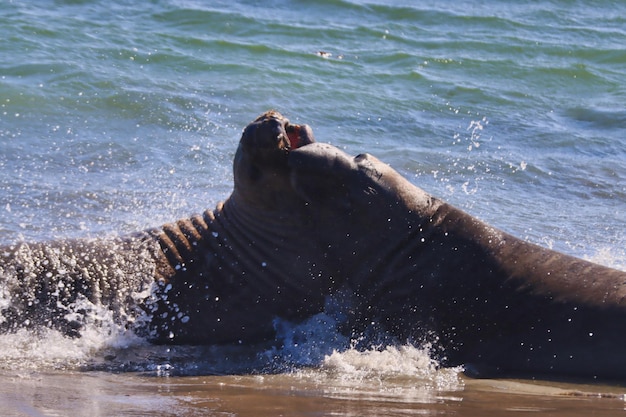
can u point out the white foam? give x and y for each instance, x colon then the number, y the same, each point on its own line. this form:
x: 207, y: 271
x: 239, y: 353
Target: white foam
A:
x: 48, y: 348
x: 43, y: 347
x: 316, y: 349
x: 392, y: 373
x: 391, y: 362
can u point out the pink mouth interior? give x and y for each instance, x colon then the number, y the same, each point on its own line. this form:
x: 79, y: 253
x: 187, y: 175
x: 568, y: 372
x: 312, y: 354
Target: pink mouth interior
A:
x: 293, y: 133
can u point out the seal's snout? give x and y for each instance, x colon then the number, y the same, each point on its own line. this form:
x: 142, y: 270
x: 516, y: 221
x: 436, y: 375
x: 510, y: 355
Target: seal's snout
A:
x: 272, y: 130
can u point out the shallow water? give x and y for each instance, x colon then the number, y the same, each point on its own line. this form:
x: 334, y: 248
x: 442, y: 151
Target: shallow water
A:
x: 296, y: 394
x: 119, y: 116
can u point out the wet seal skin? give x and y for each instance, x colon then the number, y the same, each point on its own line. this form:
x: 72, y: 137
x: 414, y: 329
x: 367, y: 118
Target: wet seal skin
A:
x: 306, y: 220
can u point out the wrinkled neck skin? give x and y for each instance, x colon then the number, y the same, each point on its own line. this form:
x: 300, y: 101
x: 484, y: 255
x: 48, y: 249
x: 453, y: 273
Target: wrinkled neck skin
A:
x: 229, y: 273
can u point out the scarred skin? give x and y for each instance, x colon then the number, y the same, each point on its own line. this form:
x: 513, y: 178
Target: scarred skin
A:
x: 306, y: 220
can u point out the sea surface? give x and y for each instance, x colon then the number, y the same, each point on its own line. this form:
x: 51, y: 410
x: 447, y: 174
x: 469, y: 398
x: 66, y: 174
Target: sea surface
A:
x: 117, y: 116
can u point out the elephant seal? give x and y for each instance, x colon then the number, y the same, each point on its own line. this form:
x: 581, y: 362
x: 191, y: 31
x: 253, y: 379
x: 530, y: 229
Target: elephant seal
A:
x: 306, y: 220
x: 421, y: 268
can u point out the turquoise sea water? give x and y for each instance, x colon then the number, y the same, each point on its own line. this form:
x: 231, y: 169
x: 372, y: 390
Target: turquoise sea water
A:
x: 116, y: 116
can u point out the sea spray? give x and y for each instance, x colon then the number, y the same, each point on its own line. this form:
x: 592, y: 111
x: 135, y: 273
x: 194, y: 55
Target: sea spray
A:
x: 306, y: 343
x: 392, y: 364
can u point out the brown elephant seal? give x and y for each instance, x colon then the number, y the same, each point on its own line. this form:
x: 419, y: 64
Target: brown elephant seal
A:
x: 306, y: 220
x: 422, y: 268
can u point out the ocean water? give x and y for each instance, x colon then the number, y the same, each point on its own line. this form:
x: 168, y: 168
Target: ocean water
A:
x: 117, y: 116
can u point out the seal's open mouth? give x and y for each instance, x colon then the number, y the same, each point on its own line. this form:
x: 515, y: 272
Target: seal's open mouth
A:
x: 298, y: 135
x: 272, y: 131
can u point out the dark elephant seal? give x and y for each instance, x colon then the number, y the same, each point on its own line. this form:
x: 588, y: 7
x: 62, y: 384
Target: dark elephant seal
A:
x: 422, y: 268
x: 306, y: 220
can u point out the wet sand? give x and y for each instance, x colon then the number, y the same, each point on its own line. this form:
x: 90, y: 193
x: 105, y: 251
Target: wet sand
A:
x: 305, y: 393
